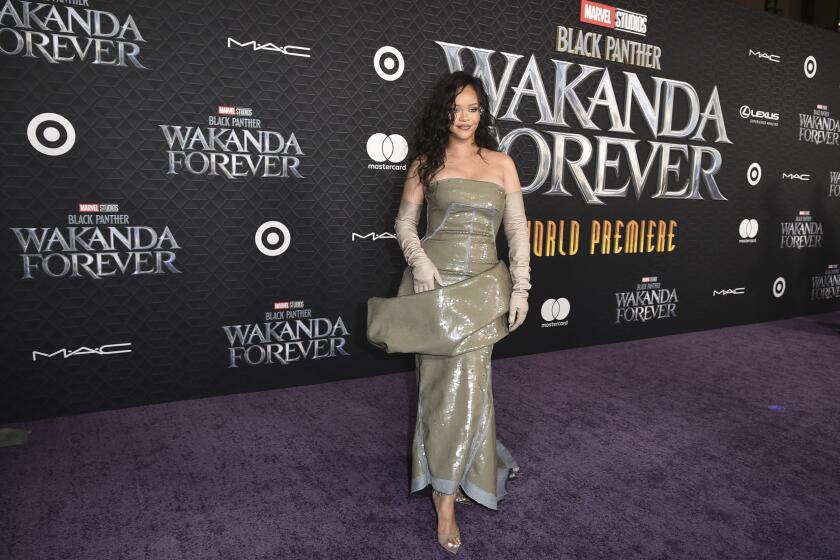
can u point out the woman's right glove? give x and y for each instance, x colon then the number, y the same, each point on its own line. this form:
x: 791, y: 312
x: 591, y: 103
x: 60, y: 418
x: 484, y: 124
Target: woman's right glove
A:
x: 405, y: 229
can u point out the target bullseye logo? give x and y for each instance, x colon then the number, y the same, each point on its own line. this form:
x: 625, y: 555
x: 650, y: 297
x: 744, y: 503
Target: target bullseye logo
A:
x: 51, y: 134
x: 273, y: 238
x: 779, y: 287
x: 555, y: 309
x: 388, y: 63
x: 391, y: 147
x: 754, y: 174
x: 810, y: 67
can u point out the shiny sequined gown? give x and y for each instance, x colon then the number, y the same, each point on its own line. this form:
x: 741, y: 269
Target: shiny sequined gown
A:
x: 455, y: 327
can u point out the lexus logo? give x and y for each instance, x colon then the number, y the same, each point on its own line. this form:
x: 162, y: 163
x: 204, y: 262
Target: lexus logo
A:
x: 748, y: 113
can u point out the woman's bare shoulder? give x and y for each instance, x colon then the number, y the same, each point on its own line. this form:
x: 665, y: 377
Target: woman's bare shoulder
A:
x: 507, y: 167
x: 498, y: 158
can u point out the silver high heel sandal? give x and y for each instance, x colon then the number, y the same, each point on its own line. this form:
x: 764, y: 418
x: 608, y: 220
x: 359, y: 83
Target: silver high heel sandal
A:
x: 448, y: 540
x: 462, y: 498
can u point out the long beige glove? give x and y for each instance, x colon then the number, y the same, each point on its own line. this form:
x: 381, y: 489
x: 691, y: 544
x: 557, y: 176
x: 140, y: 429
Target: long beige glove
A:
x: 405, y: 229
x: 519, y: 255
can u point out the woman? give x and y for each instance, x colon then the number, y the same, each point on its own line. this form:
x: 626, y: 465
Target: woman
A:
x: 456, y: 298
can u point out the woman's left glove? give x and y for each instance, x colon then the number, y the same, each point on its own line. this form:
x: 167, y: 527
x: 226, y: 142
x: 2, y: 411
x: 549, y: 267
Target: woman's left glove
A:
x: 519, y: 255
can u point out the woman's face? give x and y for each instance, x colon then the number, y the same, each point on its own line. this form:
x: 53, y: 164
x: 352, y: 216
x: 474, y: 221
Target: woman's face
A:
x: 465, y: 114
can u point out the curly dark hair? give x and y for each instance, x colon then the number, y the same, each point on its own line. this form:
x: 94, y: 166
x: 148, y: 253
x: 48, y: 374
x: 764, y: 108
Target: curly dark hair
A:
x: 431, y: 132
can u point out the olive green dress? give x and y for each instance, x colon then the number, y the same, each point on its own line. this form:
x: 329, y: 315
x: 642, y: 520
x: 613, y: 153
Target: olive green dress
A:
x: 451, y: 330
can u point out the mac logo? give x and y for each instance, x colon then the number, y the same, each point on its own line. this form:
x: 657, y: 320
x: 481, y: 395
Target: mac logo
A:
x: 103, y: 350
x: 729, y: 292
x: 372, y: 236
x: 287, y: 49
x: 766, y: 56
x: 797, y: 176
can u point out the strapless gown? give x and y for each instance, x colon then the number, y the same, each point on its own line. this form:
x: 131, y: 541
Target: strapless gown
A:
x: 451, y: 330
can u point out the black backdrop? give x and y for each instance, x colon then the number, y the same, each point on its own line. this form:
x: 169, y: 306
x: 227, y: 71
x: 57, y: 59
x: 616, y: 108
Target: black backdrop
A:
x: 335, y: 86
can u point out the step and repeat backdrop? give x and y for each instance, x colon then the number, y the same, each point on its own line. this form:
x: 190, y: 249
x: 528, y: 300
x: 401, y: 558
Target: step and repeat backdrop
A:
x: 198, y: 197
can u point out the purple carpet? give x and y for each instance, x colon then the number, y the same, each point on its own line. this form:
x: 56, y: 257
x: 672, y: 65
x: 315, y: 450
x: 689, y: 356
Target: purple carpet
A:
x: 718, y: 444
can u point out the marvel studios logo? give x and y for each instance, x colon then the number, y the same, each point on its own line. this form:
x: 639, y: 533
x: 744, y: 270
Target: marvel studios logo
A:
x: 290, y: 304
x: 611, y: 17
x: 98, y: 207
x: 236, y: 111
